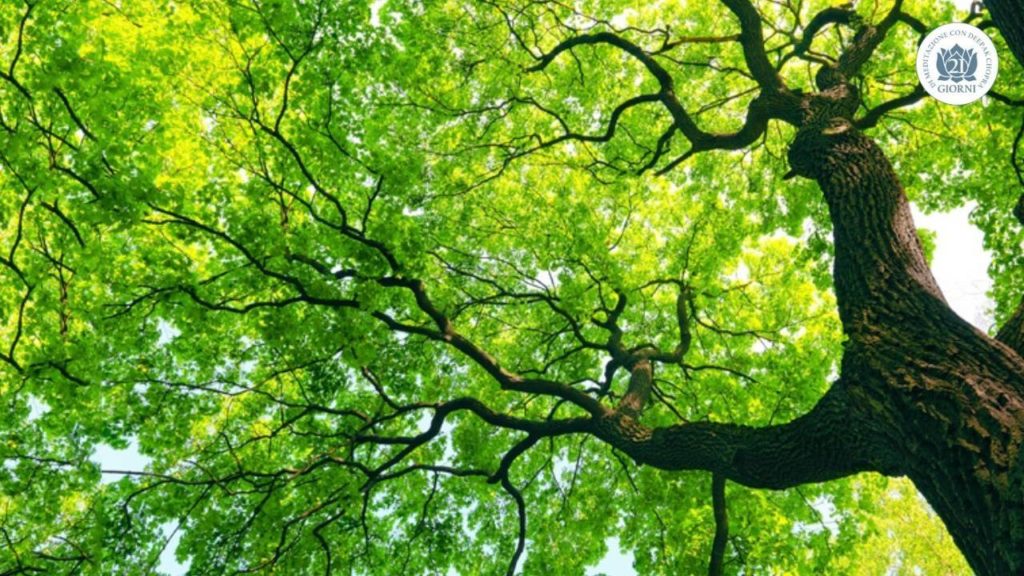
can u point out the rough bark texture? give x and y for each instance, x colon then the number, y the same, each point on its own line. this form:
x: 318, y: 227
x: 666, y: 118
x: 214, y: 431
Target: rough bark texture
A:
x: 922, y: 393
x: 948, y: 400
x: 1012, y: 333
x: 1008, y: 16
x: 767, y: 457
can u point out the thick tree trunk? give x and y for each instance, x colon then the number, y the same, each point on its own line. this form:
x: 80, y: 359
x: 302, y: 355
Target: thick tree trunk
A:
x: 922, y: 393
x: 1008, y: 16
x: 942, y: 398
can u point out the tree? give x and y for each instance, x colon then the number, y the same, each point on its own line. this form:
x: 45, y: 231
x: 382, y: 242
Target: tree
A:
x: 405, y: 287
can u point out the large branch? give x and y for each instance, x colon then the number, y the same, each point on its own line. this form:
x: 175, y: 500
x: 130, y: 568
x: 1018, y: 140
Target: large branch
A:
x: 1008, y: 16
x: 1012, y: 333
x: 880, y: 274
x: 832, y: 15
x: 752, y: 40
x: 868, y: 38
x: 823, y: 444
x: 783, y: 105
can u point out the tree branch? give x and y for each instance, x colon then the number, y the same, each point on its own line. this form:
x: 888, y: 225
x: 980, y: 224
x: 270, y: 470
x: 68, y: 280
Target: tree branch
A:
x: 831, y: 15
x: 716, y: 567
x: 508, y: 380
x: 822, y: 445
x: 866, y: 40
x: 757, y: 114
x: 71, y: 112
x: 874, y: 115
x: 641, y: 380
x: 752, y: 40
x: 1009, y: 18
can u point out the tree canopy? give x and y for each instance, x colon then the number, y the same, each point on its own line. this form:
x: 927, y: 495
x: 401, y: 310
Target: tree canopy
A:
x: 466, y: 286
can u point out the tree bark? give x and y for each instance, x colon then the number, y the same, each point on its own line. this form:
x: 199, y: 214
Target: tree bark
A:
x: 946, y: 398
x: 1012, y: 333
x: 922, y: 393
x: 1008, y: 16
x: 818, y: 446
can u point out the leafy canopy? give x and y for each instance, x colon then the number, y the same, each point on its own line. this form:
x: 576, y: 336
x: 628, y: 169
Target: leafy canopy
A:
x: 212, y: 212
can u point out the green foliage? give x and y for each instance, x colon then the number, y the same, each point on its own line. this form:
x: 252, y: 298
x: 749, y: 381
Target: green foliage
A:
x: 191, y: 193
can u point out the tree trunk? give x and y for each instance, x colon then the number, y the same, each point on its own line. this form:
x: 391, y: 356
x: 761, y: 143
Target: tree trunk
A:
x: 943, y: 400
x: 1008, y: 16
x: 921, y: 392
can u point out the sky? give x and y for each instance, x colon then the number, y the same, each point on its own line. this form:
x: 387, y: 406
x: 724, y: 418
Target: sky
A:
x: 960, y: 264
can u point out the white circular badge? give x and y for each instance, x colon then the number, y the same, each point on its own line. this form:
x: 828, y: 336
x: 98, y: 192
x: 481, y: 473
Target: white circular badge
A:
x: 957, y: 63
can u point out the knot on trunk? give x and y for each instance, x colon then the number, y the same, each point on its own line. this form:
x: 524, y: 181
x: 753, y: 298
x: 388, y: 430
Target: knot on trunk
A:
x: 817, y: 147
x: 836, y: 99
x: 622, y: 430
x: 828, y: 77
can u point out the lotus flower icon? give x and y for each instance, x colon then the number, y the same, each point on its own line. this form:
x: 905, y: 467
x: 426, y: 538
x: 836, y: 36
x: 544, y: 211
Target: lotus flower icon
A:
x: 956, y: 63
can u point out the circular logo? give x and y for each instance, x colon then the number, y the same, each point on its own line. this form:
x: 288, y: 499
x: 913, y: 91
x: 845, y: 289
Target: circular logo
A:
x: 957, y: 63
